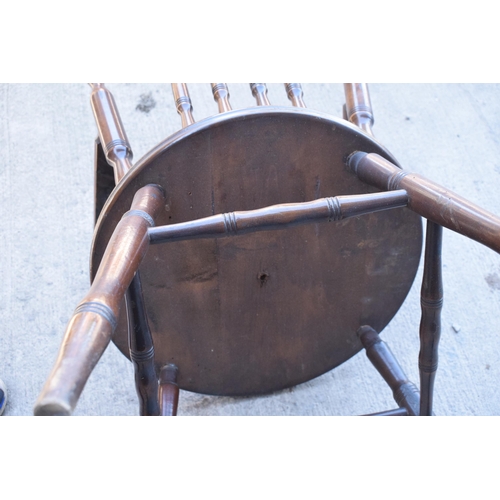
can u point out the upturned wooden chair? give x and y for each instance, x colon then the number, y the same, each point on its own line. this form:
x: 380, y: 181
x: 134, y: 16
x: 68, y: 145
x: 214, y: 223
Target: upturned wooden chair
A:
x: 255, y: 250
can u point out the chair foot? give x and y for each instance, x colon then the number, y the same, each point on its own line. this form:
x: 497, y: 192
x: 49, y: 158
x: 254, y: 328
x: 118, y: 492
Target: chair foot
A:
x: 168, y: 391
x: 405, y: 393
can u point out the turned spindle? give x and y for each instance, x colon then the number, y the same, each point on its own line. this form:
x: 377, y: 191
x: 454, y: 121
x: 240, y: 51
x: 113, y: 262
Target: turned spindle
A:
x: 295, y: 94
x: 431, y: 300
x: 358, y: 107
x: 405, y: 393
x: 168, y: 391
x: 183, y: 103
x: 142, y: 350
x: 259, y: 91
x: 279, y: 217
x: 111, y: 132
x: 221, y: 96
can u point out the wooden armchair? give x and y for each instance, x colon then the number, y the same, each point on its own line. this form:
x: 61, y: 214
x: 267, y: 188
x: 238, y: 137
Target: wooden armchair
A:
x: 255, y: 250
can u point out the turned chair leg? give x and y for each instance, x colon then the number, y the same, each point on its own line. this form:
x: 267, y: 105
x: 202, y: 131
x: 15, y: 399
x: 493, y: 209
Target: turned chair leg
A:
x: 142, y: 350
x: 405, y: 393
x: 430, y: 324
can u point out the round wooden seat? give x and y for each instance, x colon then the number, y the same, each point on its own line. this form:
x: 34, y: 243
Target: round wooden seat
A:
x: 256, y: 313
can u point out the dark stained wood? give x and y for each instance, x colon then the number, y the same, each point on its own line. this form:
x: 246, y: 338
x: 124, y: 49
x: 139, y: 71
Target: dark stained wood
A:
x: 104, y: 179
x: 142, y: 350
x: 169, y: 391
x: 431, y: 300
x: 107, y: 173
x: 221, y: 96
x: 92, y: 325
x: 279, y: 217
x: 257, y: 313
x: 259, y: 91
x: 358, y: 107
x: 183, y: 103
x: 260, y: 312
x: 295, y: 93
x: 429, y: 199
x: 405, y: 393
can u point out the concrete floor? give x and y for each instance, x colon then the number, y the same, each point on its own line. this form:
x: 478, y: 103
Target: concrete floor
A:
x: 447, y: 132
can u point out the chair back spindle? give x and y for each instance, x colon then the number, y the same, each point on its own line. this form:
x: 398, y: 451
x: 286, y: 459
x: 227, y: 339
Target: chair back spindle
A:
x: 295, y: 94
x: 358, y: 109
x: 111, y: 132
x: 259, y: 91
x: 183, y: 103
x: 221, y: 96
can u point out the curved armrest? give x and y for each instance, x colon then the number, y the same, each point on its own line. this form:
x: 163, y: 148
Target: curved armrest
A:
x: 90, y: 329
x: 430, y: 200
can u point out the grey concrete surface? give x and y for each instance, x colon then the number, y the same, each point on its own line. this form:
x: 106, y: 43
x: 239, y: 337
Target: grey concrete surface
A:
x: 447, y: 132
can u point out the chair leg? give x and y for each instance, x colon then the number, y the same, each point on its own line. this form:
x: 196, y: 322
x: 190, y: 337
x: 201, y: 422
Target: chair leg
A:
x: 430, y: 324
x: 405, y: 393
x: 142, y: 350
x: 169, y: 391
